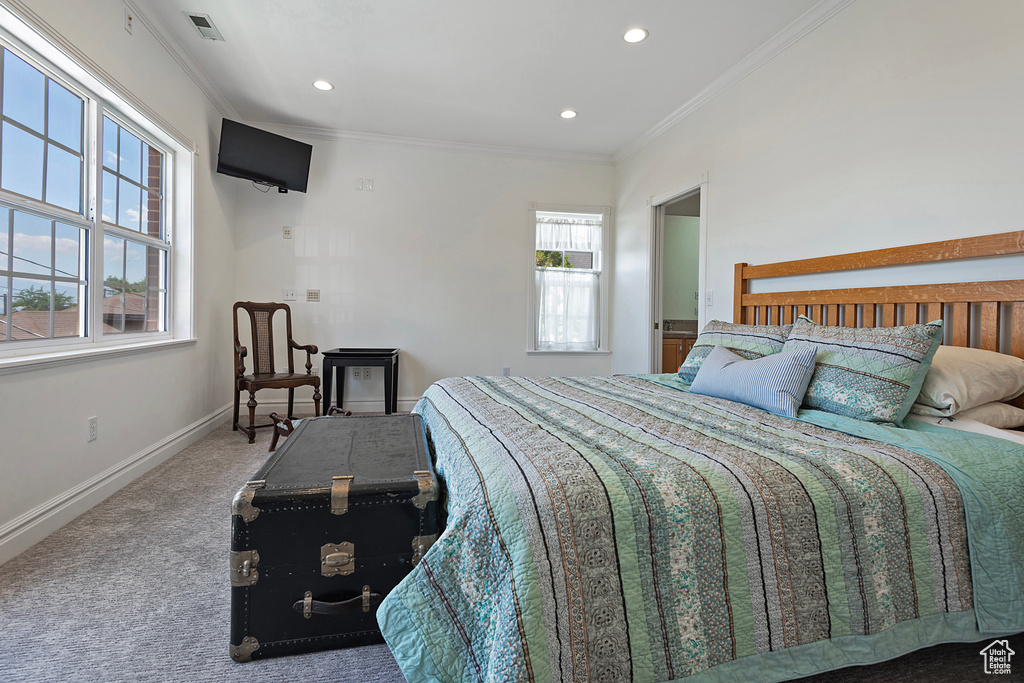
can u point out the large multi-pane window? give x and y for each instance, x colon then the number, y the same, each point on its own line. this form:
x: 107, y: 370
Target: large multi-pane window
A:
x: 84, y: 243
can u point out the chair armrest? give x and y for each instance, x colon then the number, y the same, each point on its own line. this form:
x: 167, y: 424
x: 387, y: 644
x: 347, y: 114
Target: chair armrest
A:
x: 241, y: 352
x: 310, y: 349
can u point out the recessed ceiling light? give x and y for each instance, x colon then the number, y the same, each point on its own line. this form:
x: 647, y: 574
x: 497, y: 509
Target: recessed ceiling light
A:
x: 568, y: 114
x: 635, y: 35
x: 322, y: 85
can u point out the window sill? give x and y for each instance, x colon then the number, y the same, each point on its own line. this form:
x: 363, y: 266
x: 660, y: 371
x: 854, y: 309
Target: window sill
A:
x: 40, y: 361
x: 534, y: 352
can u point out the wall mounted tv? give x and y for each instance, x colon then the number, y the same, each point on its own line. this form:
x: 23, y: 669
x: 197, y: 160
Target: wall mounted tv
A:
x: 265, y: 158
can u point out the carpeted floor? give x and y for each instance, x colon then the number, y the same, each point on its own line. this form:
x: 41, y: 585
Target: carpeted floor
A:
x: 137, y: 589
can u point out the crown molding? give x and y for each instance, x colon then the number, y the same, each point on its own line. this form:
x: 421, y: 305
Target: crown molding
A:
x: 26, y: 14
x: 163, y: 35
x: 443, y: 145
x: 775, y: 45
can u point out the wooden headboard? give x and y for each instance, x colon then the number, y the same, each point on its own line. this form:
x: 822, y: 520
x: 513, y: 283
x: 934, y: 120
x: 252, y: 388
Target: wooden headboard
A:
x: 975, y: 314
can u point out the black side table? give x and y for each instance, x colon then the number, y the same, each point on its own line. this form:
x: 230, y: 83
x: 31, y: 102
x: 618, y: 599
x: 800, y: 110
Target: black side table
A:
x: 336, y: 360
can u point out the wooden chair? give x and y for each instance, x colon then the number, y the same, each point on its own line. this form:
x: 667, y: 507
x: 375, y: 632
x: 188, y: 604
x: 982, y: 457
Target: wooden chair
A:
x: 264, y: 376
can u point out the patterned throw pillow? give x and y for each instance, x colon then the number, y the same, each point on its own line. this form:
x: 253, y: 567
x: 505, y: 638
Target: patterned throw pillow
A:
x: 746, y: 341
x: 867, y: 373
x: 775, y: 383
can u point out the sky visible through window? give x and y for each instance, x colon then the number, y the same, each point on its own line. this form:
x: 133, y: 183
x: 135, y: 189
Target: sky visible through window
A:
x: 41, y: 158
x: 131, y: 180
x: 42, y: 136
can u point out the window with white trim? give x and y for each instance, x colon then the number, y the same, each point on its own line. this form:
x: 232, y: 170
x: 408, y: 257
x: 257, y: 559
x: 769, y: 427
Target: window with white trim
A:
x: 135, y: 249
x: 568, y: 289
x: 85, y: 229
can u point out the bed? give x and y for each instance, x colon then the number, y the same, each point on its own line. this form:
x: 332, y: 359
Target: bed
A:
x: 628, y: 529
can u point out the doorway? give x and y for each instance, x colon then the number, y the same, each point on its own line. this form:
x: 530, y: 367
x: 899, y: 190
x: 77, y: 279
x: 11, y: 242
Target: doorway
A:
x: 678, y: 278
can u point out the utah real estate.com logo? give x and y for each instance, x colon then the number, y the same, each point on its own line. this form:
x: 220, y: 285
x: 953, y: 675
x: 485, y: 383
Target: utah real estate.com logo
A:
x: 997, y: 657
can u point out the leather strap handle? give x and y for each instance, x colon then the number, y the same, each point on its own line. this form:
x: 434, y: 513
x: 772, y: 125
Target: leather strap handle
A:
x: 282, y: 427
x: 307, y: 607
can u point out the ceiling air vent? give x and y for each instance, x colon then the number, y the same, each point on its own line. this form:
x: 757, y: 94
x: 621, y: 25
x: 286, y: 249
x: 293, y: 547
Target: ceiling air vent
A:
x: 204, y: 24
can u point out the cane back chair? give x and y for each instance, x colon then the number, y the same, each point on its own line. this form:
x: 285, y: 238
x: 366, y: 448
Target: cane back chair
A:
x: 264, y: 375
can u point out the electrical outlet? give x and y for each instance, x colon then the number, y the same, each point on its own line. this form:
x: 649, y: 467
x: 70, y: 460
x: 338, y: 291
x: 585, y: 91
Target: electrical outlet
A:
x: 128, y: 19
x: 711, y: 298
x: 359, y: 183
x: 287, y: 232
x: 93, y: 428
x: 505, y: 372
x: 367, y: 373
x: 357, y: 373
x: 313, y: 295
x: 315, y: 370
x: 368, y: 184
x: 289, y: 295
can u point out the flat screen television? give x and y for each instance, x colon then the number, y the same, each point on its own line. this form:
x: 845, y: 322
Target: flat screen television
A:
x: 263, y: 157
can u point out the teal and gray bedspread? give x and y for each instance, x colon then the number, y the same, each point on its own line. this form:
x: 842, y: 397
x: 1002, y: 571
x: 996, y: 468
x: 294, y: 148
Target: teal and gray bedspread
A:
x: 622, y: 529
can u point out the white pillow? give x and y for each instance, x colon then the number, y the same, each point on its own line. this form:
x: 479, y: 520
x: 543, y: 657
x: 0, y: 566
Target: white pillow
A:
x: 995, y: 414
x: 961, y: 378
x: 968, y: 425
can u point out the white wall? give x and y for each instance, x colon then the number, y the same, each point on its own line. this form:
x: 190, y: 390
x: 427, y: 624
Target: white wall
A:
x: 681, y: 268
x: 893, y: 123
x: 435, y: 260
x: 149, y: 404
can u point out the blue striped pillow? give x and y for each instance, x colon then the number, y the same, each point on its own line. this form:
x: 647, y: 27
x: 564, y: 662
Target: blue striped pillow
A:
x: 776, y: 383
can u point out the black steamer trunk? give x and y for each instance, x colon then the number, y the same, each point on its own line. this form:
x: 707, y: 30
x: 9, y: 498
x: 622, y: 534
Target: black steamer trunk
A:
x: 328, y: 526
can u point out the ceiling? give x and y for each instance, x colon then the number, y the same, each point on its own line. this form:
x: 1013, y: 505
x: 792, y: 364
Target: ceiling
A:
x: 477, y: 72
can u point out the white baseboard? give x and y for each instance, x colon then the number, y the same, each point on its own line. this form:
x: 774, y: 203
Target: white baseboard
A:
x: 26, y: 530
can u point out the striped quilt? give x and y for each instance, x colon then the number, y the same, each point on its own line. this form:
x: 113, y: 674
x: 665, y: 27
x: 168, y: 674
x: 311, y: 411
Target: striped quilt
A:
x: 618, y: 529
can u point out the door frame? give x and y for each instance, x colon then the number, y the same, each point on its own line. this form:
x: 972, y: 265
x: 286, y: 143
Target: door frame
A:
x: 656, y: 204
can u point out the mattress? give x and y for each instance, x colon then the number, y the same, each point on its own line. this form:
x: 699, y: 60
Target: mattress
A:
x: 623, y: 529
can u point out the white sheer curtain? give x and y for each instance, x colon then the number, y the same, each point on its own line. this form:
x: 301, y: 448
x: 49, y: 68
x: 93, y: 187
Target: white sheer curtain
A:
x: 568, y: 299
x: 562, y: 235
